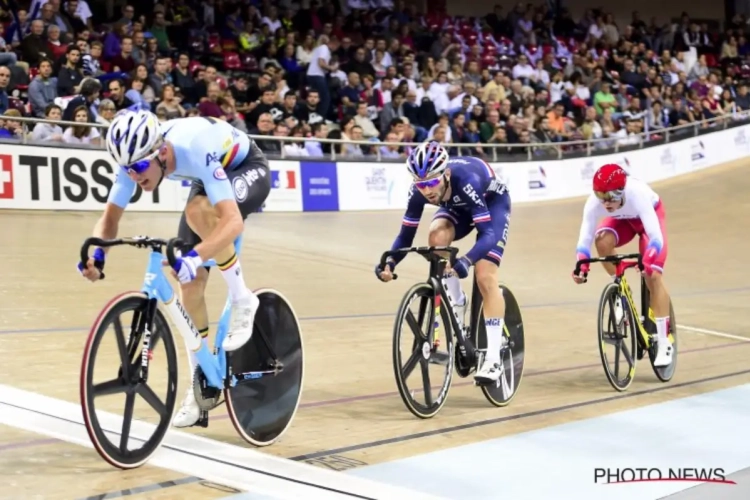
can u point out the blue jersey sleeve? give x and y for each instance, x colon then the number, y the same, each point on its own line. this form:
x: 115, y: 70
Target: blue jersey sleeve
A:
x: 206, y: 164
x: 472, y: 194
x: 217, y: 185
x: 122, y: 190
x: 410, y: 222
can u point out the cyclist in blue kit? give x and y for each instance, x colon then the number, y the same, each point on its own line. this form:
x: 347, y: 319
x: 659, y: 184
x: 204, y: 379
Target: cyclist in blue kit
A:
x: 230, y: 179
x: 469, y: 195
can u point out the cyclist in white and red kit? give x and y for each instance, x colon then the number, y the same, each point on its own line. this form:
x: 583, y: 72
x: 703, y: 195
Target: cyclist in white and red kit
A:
x: 630, y: 208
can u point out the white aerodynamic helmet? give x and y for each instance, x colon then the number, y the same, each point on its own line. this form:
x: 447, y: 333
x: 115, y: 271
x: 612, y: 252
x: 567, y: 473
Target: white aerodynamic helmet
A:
x: 132, y: 136
x: 429, y: 159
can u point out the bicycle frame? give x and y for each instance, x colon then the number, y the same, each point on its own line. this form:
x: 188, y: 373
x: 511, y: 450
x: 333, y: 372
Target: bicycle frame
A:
x: 625, y: 290
x: 156, y: 287
x: 437, y: 268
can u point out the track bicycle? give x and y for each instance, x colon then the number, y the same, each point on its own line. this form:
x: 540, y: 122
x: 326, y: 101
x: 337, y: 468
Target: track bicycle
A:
x: 261, y: 382
x: 634, y: 334
x: 437, y: 321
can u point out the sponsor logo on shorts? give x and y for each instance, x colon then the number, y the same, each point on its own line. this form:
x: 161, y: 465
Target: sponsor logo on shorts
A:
x: 241, y: 189
x: 220, y: 174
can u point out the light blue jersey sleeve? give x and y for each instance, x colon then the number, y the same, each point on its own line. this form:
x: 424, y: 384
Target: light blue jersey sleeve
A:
x: 122, y: 190
x: 215, y: 181
x: 207, y: 153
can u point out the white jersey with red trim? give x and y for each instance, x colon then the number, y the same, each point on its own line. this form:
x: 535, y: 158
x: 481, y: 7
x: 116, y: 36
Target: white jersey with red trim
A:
x: 639, y: 202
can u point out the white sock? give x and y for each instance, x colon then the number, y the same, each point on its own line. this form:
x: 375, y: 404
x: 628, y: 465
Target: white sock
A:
x: 192, y: 359
x: 231, y: 270
x: 662, y: 328
x: 454, y: 289
x: 494, y: 327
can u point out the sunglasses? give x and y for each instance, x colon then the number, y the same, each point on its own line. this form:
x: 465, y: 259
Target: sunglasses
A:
x: 430, y: 183
x: 606, y: 196
x: 142, y: 165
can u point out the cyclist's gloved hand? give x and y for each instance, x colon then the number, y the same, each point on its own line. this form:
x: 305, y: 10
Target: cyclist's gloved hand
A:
x: 461, y: 267
x: 187, y: 266
x: 585, y: 268
x: 385, y: 274
x: 649, y: 258
x: 94, y: 266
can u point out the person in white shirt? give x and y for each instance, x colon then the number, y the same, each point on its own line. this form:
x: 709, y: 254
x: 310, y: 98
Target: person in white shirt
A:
x: 84, y: 134
x: 631, y: 208
x: 47, y: 131
x: 523, y: 70
x: 319, y: 67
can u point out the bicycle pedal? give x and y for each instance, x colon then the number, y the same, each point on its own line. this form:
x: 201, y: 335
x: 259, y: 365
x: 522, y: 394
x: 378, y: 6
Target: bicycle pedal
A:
x: 202, y: 420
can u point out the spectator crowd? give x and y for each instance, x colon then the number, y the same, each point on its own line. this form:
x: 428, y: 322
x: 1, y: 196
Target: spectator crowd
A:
x: 311, y: 71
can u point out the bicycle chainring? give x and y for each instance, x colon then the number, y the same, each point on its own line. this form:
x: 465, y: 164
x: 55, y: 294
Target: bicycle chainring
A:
x: 206, y: 396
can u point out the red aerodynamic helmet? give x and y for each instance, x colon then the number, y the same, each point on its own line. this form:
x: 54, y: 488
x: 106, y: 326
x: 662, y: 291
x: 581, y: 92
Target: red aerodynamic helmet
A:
x: 610, y: 177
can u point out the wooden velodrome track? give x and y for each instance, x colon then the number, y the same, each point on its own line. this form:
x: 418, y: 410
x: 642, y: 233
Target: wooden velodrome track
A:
x: 351, y: 414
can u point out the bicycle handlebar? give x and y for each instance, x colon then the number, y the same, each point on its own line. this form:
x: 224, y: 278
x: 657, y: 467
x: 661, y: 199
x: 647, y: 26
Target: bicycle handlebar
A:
x: 174, y: 244
x: 615, y: 259
x: 428, y: 253
x: 137, y: 241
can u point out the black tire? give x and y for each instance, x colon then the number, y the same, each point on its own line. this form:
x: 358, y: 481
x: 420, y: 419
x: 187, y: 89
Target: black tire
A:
x: 625, y: 341
x: 422, y: 351
x: 665, y: 373
x: 125, y: 380
x: 514, y: 355
x: 262, y: 409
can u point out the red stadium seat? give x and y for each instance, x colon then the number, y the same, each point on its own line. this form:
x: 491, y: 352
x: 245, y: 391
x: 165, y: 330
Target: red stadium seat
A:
x: 250, y: 63
x: 232, y: 61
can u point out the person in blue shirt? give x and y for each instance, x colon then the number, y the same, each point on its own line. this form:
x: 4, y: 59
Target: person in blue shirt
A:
x: 230, y: 179
x: 469, y: 196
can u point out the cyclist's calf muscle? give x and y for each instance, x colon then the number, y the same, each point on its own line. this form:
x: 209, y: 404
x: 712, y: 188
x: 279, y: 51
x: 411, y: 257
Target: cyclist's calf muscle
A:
x: 442, y: 233
x: 217, y: 226
x: 606, y: 243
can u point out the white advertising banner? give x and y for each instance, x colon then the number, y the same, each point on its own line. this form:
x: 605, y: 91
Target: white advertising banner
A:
x: 67, y: 179
x: 286, y: 188
x: 372, y: 186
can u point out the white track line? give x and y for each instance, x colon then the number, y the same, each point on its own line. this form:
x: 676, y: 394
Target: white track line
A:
x: 713, y: 332
x: 243, y: 468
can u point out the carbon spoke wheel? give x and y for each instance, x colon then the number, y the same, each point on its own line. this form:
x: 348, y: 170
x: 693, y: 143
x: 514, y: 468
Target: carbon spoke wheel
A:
x: 422, y: 353
x: 617, y: 338
x: 127, y: 433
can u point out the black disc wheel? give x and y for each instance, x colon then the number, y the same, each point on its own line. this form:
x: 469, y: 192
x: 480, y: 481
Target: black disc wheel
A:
x: 665, y: 373
x: 267, y: 373
x: 512, y: 355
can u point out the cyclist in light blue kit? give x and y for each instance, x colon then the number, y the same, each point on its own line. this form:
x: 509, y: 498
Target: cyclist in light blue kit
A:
x: 230, y: 179
x: 469, y: 196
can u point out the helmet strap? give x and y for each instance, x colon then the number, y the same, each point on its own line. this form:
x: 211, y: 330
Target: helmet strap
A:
x: 162, y: 167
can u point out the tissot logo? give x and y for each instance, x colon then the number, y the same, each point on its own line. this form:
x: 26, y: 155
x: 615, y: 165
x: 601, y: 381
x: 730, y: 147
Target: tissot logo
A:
x: 72, y: 179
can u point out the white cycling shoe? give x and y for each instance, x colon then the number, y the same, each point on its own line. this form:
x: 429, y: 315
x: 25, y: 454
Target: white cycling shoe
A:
x: 189, y: 412
x: 241, y: 329
x: 490, y: 372
x: 663, y: 352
